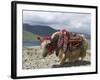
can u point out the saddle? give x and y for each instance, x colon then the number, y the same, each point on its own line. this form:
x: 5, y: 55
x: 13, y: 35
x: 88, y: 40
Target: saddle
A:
x: 75, y: 42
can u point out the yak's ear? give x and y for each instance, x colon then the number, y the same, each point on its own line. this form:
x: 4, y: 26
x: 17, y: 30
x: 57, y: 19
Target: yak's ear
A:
x: 40, y: 38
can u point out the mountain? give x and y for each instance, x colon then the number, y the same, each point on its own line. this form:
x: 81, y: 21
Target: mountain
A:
x: 31, y: 31
x: 39, y: 29
x: 28, y: 36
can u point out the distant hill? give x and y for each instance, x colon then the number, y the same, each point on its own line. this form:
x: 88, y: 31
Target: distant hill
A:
x: 28, y: 36
x: 39, y: 29
x: 31, y: 31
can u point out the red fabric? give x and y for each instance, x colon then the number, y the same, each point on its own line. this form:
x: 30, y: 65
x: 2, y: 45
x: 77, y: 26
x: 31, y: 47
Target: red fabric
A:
x: 65, y: 35
x: 64, y: 39
x: 51, y: 48
x: 60, y: 43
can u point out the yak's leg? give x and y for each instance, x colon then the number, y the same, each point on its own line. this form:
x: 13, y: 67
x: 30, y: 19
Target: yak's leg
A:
x: 63, y: 58
x: 82, y: 54
x: 57, y: 52
x: 60, y: 54
x: 81, y: 58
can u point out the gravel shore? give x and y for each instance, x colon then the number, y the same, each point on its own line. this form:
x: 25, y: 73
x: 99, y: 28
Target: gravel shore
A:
x: 32, y: 59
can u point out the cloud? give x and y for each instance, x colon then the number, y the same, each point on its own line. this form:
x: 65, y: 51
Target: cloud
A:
x: 58, y: 20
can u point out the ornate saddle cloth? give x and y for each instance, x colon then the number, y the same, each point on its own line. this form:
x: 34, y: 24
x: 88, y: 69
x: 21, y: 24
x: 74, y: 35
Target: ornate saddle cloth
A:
x: 75, y: 42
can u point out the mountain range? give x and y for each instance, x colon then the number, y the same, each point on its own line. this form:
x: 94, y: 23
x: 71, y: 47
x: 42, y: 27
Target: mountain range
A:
x: 30, y: 31
x: 39, y: 29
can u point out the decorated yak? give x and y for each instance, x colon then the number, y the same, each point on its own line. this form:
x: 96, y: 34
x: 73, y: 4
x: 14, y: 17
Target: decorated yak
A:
x: 66, y: 45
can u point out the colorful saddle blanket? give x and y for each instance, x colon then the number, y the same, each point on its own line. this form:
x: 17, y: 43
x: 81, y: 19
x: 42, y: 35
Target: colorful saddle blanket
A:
x: 72, y: 43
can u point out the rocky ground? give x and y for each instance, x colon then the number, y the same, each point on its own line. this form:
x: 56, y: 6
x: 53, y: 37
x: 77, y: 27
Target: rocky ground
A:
x: 32, y: 59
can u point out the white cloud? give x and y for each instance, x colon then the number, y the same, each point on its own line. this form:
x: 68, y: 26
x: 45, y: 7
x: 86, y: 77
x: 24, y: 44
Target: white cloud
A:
x: 58, y: 20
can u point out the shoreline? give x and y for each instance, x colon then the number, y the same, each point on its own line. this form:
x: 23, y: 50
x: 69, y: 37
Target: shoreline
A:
x: 31, y: 46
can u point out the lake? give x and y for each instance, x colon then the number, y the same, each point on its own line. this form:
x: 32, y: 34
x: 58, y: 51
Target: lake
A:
x: 37, y: 43
x: 31, y: 43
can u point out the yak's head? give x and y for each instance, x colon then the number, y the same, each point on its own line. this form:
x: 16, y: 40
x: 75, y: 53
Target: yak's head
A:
x: 44, y: 46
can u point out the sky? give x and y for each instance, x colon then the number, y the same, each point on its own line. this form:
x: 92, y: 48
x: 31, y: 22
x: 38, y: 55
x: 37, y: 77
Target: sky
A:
x: 74, y: 22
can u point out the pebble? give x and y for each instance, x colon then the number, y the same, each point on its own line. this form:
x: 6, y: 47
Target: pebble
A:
x: 32, y: 59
